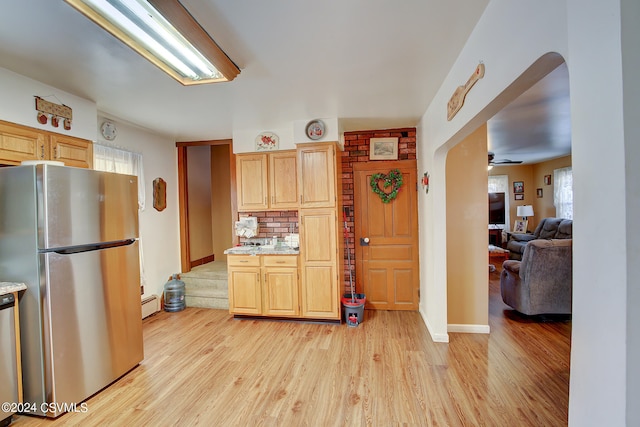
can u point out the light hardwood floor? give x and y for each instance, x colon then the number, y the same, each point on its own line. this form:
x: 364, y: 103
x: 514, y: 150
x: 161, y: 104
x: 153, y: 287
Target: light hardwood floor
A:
x: 202, y: 367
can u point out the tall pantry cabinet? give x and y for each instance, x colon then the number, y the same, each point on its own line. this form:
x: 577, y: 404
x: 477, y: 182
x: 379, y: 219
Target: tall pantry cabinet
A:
x: 319, y: 183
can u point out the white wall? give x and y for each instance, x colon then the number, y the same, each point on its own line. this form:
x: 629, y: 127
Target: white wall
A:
x: 159, y: 231
x: 604, y: 298
x: 18, y: 105
x: 289, y: 135
x: 510, y: 37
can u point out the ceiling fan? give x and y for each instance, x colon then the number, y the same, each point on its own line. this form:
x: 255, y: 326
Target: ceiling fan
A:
x: 494, y: 162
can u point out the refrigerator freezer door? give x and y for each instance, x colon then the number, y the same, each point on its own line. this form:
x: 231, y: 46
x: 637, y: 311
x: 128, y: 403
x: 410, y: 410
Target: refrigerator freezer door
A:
x: 83, y: 206
x: 93, y: 321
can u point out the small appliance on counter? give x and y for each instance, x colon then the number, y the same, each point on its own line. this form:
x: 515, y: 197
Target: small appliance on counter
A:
x: 292, y: 240
x: 247, y: 227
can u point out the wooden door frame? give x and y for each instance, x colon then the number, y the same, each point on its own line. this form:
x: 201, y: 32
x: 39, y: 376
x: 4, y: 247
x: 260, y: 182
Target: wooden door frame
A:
x: 183, y: 194
x: 372, y: 166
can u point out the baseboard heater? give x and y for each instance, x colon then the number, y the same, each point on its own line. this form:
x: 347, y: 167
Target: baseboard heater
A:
x: 150, y: 305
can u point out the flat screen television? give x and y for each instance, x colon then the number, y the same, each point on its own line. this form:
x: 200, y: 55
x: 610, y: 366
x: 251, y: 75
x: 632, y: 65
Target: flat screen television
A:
x: 496, y: 209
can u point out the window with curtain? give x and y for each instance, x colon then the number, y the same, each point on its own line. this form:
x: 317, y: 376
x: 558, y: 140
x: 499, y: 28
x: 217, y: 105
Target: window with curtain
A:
x: 114, y: 159
x: 563, y: 192
x: 500, y: 184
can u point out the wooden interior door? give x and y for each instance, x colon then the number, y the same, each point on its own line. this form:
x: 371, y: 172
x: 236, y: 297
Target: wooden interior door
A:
x: 387, y: 266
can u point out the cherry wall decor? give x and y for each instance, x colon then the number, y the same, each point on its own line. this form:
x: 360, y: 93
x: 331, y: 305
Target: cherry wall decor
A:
x: 50, y: 110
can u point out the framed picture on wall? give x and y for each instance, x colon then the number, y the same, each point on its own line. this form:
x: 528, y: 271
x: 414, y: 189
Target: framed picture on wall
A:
x: 547, y: 180
x: 518, y: 196
x: 383, y: 149
x: 539, y: 193
x: 518, y: 187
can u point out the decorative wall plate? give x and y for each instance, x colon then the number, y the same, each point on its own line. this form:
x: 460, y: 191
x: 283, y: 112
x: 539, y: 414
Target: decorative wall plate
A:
x: 315, y: 129
x: 109, y: 131
x: 267, y: 141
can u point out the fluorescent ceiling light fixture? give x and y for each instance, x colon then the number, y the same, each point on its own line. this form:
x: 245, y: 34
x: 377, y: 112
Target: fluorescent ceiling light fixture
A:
x: 165, y: 33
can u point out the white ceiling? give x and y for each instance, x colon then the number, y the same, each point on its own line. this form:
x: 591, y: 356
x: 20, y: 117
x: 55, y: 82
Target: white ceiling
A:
x: 372, y: 64
x: 537, y: 125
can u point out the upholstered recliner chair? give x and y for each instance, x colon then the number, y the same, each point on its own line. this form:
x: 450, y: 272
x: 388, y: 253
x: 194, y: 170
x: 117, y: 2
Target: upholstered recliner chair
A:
x: 542, y: 282
x: 549, y: 228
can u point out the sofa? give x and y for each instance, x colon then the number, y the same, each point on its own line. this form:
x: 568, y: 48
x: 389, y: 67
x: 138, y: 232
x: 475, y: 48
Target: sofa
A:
x: 542, y: 282
x: 548, y: 228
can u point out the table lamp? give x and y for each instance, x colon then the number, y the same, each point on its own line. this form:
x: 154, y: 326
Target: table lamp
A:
x: 524, y: 211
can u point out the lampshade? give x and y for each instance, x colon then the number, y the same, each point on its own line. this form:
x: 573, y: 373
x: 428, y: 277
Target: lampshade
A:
x: 524, y: 211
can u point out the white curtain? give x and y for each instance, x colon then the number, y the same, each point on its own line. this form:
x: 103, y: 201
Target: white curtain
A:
x: 114, y: 159
x: 563, y: 192
x: 500, y: 184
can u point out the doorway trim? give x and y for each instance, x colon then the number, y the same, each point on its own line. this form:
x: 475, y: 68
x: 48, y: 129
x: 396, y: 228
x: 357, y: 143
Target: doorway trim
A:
x: 437, y: 320
x: 183, y: 193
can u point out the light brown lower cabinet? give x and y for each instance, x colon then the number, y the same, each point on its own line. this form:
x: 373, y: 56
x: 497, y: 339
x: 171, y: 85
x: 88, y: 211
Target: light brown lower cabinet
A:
x: 319, y: 264
x: 263, y: 285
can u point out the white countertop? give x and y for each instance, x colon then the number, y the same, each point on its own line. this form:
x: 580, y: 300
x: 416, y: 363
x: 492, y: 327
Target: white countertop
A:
x: 261, y: 250
x: 10, y: 287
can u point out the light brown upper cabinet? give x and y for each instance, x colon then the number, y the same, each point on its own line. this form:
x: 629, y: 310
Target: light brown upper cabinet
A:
x: 267, y: 181
x: 283, y: 180
x: 20, y: 143
x: 317, y: 177
x: 72, y: 151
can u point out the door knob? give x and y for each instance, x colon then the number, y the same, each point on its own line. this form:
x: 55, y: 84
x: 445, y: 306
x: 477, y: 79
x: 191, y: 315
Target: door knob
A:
x: 364, y: 241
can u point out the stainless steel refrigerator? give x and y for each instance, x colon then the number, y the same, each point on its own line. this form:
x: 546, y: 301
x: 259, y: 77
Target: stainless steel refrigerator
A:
x: 71, y: 235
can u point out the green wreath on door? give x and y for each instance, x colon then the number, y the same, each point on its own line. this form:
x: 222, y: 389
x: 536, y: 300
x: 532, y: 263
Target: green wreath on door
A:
x: 393, y: 179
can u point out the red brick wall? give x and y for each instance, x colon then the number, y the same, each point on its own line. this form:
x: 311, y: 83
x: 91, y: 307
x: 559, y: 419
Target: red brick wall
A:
x: 356, y: 150
x: 274, y: 223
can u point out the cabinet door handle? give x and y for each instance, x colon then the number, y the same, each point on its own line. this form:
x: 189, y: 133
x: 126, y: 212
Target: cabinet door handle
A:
x: 55, y: 152
x: 42, y: 151
x: 243, y: 260
x: 279, y: 262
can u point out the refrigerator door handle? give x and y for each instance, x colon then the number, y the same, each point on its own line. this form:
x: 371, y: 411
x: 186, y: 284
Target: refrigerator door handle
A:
x: 88, y: 248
